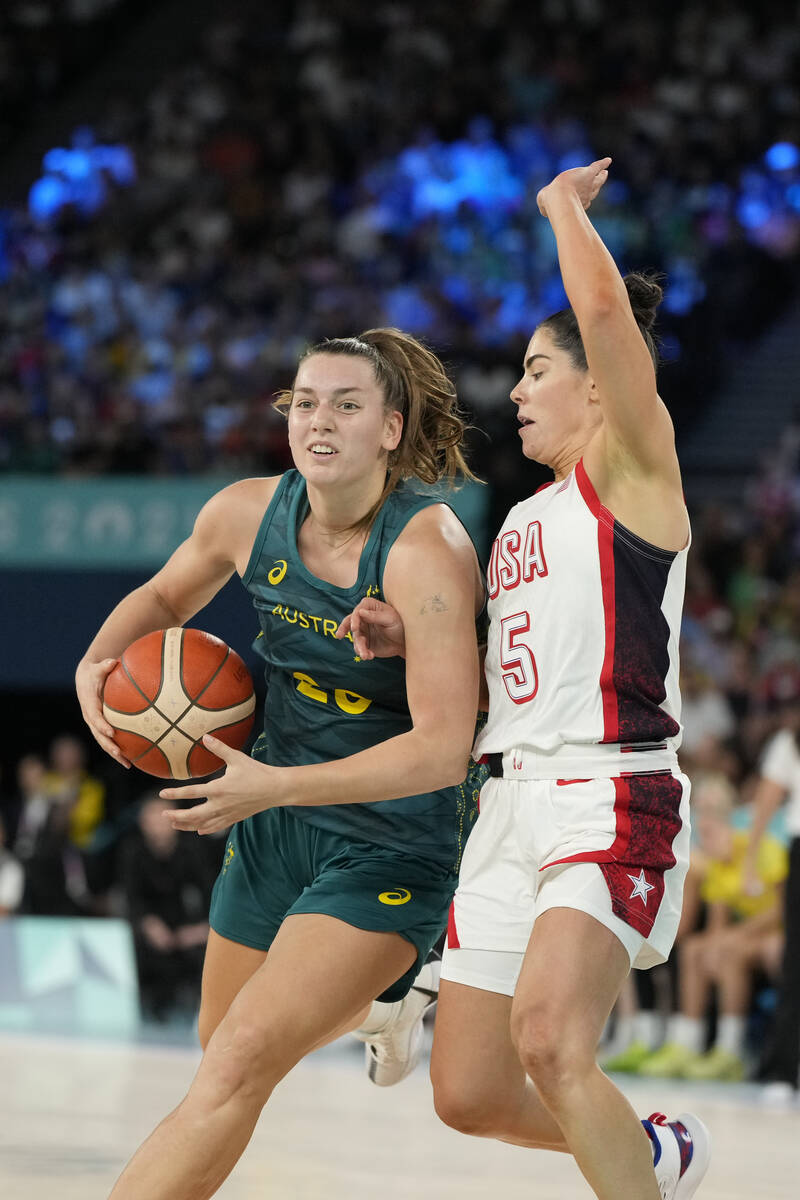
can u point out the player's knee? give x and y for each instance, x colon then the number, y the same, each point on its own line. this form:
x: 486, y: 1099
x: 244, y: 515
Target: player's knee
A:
x: 243, y: 1065
x: 553, y: 1056
x: 463, y: 1109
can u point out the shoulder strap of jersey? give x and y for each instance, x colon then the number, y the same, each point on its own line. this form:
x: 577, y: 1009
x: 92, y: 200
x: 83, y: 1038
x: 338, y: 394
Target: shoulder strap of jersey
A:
x: 277, y: 510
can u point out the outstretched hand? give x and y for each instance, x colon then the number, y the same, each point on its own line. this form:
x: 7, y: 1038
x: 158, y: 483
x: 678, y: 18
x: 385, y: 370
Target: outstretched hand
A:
x: 247, y: 787
x: 586, y: 181
x: 377, y: 630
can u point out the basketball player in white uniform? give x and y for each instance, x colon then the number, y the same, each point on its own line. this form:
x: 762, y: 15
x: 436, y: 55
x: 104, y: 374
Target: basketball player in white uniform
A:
x: 575, y: 869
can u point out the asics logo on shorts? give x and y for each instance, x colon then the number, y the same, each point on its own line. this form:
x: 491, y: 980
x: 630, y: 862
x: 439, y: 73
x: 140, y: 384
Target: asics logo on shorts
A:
x: 396, y: 896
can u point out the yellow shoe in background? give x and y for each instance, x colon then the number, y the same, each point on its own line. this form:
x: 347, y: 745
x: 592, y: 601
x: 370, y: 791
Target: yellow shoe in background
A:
x: 670, y: 1061
x: 717, y: 1064
x: 628, y: 1060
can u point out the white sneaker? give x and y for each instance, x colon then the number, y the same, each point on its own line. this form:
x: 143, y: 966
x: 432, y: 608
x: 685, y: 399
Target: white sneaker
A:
x: 393, y: 1052
x: 778, y: 1094
x: 682, y: 1150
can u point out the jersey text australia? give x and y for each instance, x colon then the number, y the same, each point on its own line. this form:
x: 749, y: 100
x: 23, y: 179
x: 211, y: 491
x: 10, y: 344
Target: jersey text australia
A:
x: 323, y: 702
x: 582, y: 660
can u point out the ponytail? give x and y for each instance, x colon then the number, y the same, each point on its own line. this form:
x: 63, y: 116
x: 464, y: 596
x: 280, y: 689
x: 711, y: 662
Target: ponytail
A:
x: 645, y: 294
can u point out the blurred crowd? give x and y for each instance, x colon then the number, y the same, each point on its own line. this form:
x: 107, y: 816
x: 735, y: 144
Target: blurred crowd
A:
x: 345, y: 164
x: 71, y: 844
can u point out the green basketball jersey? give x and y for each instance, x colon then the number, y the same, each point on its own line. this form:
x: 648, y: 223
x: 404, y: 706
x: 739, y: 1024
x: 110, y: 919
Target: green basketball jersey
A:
x: 323, y: 702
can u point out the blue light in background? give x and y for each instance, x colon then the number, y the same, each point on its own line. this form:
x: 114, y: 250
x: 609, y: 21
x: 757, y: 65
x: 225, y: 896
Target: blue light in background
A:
x: 753, y: 212
x: 78, y: 176
x: 783, y: 156
x: 47, y: 196
x: 684, y: 287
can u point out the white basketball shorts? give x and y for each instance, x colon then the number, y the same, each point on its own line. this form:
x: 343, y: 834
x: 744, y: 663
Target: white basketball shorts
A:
x: 617, y: 849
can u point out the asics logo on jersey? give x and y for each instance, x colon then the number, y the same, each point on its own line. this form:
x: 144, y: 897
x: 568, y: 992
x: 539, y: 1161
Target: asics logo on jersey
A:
x: 397, y: 896
x: 278, y: 571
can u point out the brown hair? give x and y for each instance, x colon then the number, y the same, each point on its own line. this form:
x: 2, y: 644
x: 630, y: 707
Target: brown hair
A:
x: 644, y: 293
x: 416, y: 384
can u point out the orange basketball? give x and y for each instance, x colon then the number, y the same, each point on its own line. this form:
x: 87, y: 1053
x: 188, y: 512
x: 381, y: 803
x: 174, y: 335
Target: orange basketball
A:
x: 168, y: 689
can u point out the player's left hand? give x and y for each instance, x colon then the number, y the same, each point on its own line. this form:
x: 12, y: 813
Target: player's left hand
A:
x: 244, y: 789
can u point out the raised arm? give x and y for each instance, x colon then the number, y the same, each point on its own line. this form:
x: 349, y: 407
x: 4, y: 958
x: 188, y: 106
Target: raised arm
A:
x: 432, y: 579
x: 636, y: 444
x: 218, y: 545
x: 619, y: 361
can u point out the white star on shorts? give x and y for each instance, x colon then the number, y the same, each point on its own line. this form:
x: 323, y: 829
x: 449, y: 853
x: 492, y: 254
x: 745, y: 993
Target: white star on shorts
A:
x: 641, y: 887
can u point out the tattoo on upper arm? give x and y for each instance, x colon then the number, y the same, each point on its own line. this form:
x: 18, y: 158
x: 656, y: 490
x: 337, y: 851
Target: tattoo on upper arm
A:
x: 433, y: 604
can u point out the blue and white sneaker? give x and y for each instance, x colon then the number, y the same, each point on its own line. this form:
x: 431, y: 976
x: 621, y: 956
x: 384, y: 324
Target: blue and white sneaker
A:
x: 681, y: 1153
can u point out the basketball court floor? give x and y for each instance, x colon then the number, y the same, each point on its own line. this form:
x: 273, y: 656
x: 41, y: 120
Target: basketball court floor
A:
x: 72, y: 1111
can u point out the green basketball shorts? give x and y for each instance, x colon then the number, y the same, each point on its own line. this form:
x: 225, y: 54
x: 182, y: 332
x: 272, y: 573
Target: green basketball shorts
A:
x: 276, y: 865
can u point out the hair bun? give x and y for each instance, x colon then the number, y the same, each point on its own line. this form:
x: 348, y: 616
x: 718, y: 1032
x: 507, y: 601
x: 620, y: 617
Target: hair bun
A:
x: 645, y: 294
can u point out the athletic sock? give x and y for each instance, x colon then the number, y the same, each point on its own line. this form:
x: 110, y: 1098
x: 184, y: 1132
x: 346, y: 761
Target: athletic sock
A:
x: 647, y: 1028
x: 730, y: 1034
x: 378, y: 1017
x: 621, y: 1038
x: 687, y: 1032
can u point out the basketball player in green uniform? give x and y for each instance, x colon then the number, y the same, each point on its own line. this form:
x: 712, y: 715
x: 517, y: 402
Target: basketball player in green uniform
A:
x: 350, y: 818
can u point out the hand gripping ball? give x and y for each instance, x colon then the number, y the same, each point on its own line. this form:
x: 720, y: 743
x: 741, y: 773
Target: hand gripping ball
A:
x: 168, y: 689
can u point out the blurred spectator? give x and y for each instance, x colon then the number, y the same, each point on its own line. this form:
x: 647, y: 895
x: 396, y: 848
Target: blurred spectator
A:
x: 742, y: 935
x: 12, y: 878
x: 33, y: 804
x: 167, y: 888
x: 707, y: 718
x: 779, y: 781
x: 59, y: 813
x: 70, y: 784
x: 54, y: 871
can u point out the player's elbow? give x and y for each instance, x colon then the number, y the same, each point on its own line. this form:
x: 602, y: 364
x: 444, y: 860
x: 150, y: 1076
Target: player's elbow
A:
x: 458, y: 772
x: 452, y: 755
x: 168, y: 611
x: 602, y: 304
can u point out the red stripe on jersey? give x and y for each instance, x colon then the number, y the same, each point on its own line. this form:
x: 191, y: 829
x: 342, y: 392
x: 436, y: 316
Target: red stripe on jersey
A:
x: 622, y: 817
x: 452, y: 933
x: 605, y: 546
x: 622, y: 814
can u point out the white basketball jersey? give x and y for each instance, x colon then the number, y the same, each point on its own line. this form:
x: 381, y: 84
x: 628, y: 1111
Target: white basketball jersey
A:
x: 582, y: 658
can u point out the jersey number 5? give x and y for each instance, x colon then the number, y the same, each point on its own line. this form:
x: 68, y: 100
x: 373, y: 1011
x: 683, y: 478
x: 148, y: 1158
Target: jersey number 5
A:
x: 519, y: 674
